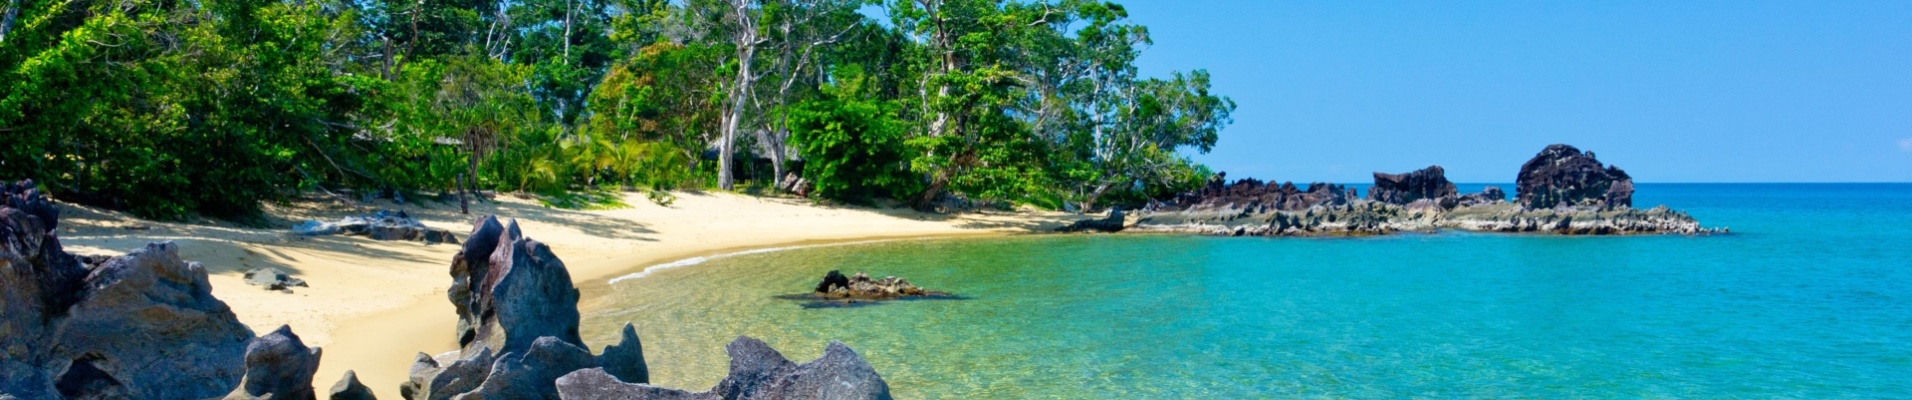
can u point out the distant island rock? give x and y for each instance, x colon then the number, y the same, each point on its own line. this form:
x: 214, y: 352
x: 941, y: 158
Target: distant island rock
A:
x: 1561, y: 191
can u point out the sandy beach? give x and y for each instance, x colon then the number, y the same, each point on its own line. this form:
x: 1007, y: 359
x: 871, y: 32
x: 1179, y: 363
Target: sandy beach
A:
x: 373, y: 305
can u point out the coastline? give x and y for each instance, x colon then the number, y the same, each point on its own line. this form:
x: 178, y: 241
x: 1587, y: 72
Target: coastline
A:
x: 374, y: 305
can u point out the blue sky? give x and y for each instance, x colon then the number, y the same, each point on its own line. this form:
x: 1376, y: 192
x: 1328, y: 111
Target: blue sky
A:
x: 1671, y: 91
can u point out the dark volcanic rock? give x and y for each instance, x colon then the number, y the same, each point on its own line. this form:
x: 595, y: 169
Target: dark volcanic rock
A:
x: 278, y: 366
x: 533, y: 374
x: 510, y: 290
x: 1563, y: 176
x: 1402, y: 189
x: 148, y: 322
x: 625, y: 360
x: 833, y: 280
x: 861, y: 286
x: 349, y: 388
x: 756, y: 372
x: 1489, y: 195
x: 1112, y: 223
x: 1254, y: 196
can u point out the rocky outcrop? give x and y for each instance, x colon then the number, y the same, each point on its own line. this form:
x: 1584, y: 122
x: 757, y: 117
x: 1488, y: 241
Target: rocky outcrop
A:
x: 349, y: 388
x: 756, y: 372
x: 382, y: 225
x: 1403, y: 189
x: 518, y: 339
x: 517, y: 325
x: 1561, y: 176
x: 1562, y: 191
x: 273, y: 279
x: 1112, y: 223
x: 510, y: 290
x: 1254, y: 196
x: 278, y: 366
x: 1487, y: 196
x: 860, y: 286
x: 140, y: 325
x: 625, y: 360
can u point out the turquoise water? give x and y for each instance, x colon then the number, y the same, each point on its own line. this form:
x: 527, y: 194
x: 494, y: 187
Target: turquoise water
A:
x: 1811, y: 297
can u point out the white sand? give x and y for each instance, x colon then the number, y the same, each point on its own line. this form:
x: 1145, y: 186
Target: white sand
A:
x: 373, y: 305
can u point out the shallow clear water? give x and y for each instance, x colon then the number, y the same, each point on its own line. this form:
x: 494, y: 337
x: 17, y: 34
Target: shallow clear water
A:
x: 1811, y: 297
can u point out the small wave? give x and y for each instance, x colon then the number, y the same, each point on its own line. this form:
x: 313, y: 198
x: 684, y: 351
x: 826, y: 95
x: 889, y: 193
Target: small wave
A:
x: 702, y: 259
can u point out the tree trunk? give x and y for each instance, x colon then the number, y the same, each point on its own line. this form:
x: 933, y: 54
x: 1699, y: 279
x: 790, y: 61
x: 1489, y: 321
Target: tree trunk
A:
x: 1088, y: 204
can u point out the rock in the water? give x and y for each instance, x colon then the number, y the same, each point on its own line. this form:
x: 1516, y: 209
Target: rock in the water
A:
x: 756, y: 372
x: 278, y: 366
x: 625, y: 360
x: 833, y: 280
x: 349, y: 388
x: 1112, y: 223
x: 1563, y: 176
x: 1255, y: 196
x: 861, y: 286
x: 381, y: 225
x: 273, y: 279
x: 1402, y: 189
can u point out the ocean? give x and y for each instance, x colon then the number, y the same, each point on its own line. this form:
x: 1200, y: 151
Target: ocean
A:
x: 1810, y: 296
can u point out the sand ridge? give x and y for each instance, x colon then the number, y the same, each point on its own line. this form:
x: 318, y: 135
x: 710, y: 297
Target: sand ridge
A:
x: 373, y: 305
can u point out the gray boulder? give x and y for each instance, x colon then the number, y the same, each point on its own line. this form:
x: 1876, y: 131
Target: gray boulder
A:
x: 349, y: 388
x: 278, y: 366
x: 510, y: 290
x: 757, y: 372
x: 381, y: 225
x: 533, y: 375
x: 148, y: 323
x: 625, y: 360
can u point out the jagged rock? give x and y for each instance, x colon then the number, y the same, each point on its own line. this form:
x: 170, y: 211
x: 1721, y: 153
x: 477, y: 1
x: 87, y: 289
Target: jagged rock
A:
x: 533, y: 374
x: 148, y: 323
x: 1426, y: 183
x: 861, y: 286
x: 756, y: 372
x: 278, y: 366
x: 273, y: 279
x: 510, y: 290
x: 1112, y: 223
x: 518, y: 323
x: 1488, y: 195
x: 625, y: 360
x: 141, y: 325
x: 1563, y: 176
x: 349, y: 388
x: 1254, y: 196
x: 831, y: 281
x: 381, y: 225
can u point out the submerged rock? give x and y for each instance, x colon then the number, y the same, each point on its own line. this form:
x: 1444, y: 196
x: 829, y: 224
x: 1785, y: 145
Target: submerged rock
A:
x: 1561, y: 176
x: 756, y: 372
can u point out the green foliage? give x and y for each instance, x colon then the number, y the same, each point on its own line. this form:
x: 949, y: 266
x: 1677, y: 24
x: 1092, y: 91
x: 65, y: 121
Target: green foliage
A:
x: 168, y: 109
x: 855, y: 148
